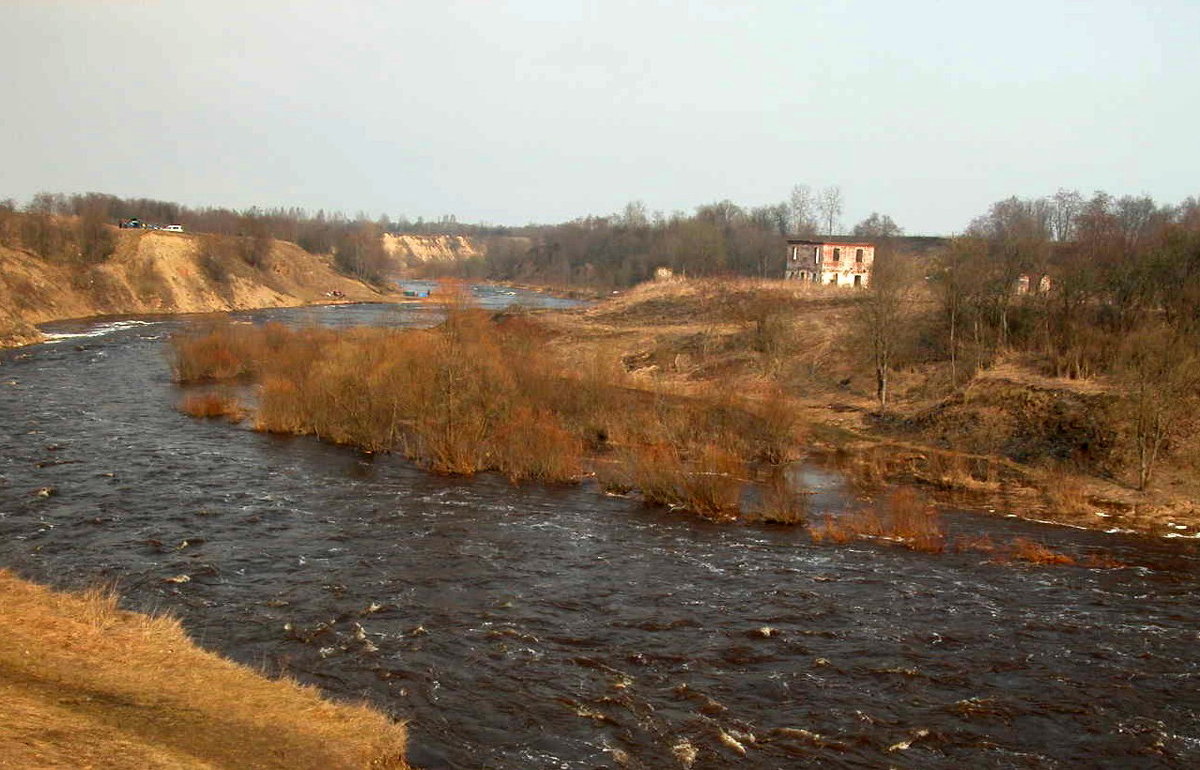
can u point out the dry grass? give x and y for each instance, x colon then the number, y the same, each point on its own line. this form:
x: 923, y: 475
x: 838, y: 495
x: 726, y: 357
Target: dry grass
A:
x: 975, y: 543
x: 870, y: 469
x: 1024, y: 549
x: 212, y: 405
x: 1102, y: 561
x: 85, y: 684
x: 915, y: 521
x: 949, y: 470
x: 904, y: 518
x: 1065, y: 492
x: 781, y: 502
x: 533, y: 445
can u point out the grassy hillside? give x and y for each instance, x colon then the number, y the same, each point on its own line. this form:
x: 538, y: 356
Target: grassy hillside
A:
x: 1038, y: 445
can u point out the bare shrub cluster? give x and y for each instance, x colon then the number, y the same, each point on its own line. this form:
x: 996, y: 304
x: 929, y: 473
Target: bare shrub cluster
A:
x: 904, y: 518
x: 482, y: 392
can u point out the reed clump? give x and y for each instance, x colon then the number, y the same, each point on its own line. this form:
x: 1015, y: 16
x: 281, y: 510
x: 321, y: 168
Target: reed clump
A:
x: 1024, y: 549
x: 781, y: 502
x: 213, y: 405
x: 903, y: 517
x: 220, y: 351
x: 1065, y: 492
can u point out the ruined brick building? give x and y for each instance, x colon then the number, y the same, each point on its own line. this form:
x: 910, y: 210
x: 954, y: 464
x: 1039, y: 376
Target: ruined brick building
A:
x: 829, y: 262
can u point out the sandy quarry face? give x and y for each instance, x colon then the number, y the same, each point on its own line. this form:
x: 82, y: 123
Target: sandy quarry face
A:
x: 429, y: 248
x: 158, y: 272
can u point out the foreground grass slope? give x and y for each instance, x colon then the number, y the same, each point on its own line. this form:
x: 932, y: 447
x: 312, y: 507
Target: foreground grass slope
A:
x: 85, y: 684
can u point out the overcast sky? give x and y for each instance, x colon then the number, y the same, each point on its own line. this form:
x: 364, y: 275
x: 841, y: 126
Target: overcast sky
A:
x: 512, y: 112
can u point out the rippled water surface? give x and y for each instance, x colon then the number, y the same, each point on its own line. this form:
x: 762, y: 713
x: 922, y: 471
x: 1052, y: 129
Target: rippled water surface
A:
x: 540, y: 627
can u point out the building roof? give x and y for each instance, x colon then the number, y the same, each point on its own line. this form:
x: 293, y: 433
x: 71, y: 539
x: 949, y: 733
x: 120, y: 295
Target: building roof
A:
x: 831, y: 241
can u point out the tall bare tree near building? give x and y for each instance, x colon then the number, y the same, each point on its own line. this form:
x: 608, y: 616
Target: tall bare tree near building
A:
x: 953, y: 281
x: 802, y: 210
x: 634, y: 215
x: 829, y: 203
x: 881, y: 311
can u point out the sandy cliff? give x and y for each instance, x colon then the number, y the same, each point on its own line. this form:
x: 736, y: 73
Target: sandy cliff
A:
x: 159, y: 272
x: 429, y: 248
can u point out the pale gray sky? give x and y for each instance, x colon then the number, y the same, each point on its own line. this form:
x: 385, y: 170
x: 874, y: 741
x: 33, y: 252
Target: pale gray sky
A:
x: 544, y: 110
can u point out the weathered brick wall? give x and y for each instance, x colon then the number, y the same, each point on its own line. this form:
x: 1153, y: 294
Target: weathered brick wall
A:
x: 829, y: 263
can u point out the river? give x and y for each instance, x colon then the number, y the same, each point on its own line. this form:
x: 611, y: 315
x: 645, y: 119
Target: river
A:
x: 552, y: 627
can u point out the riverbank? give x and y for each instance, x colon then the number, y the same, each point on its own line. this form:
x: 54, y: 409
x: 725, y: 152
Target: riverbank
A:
x: 85, y: 684
x: 544, y: 625
x: 684, y: 392
x: 989, y: 443
x: 154, y: 271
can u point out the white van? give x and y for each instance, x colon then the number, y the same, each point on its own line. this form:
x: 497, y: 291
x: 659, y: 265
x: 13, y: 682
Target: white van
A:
x: 174, y: 228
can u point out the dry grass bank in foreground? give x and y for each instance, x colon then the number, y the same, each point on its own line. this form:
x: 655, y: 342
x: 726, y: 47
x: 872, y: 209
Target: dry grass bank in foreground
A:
x: 85, y: 684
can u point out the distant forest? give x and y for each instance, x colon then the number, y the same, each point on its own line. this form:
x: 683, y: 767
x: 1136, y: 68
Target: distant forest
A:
x: 598, y: 251
x: 1112, y: 235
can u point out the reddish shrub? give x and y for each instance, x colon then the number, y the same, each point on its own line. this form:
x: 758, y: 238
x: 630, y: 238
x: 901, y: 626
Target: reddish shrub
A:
x: 1024, y: 549
x: 212, y: 405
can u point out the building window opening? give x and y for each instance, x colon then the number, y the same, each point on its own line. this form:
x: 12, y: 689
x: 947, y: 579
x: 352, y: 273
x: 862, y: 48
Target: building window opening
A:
x: 837, y: 255
x: 858, y: 255
x: 833, y: 280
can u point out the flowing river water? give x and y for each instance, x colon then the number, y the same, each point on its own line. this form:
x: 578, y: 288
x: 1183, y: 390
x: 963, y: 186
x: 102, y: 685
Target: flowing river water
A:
x: 553, y: 627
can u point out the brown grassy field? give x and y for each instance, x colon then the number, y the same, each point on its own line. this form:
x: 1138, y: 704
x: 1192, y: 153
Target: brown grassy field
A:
x: 85, y: 684
x: 1008, y: 437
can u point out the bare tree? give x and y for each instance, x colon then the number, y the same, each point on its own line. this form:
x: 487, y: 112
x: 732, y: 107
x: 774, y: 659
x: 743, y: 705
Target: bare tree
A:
x: 881, y: 313
x: 1161, y: 373
x: 634, y: 215
x: 830, y: 205
x: 953, y: 282
x: 1065, y: 206
x: 1017, y: 234
x: 97, y: 241
x: 802, y: 209
x: 877, y: 226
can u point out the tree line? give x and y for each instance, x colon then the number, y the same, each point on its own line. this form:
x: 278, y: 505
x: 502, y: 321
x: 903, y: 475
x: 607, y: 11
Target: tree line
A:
x: 627, y: 248
x: 599, y: 251
x: 1077, y: 286
x: 76, y: 230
